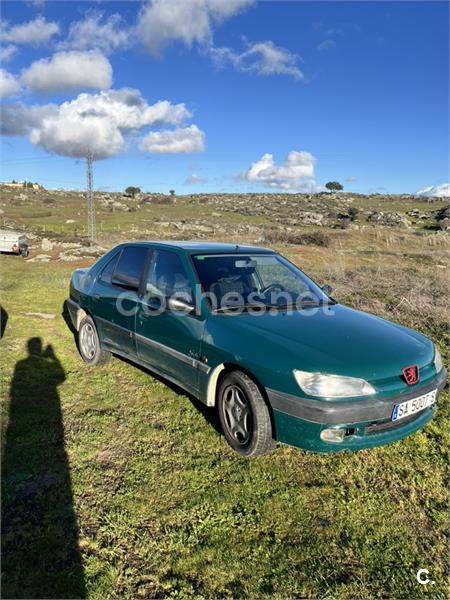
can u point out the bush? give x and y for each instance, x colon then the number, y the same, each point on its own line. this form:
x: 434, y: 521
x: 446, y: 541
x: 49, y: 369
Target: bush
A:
x: 345, y: 221
x: 353, y: 212
x: 39, y: 214
x: 444, y: 224
x: 159, y: 200
x: 313, y: 238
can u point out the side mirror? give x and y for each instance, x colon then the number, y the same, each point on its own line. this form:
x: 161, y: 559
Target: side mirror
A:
x: 178, y: 305
x: 327, y: 289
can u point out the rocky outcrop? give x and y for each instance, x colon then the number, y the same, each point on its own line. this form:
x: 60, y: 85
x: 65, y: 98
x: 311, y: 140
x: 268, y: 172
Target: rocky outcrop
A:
x: 389, y: 219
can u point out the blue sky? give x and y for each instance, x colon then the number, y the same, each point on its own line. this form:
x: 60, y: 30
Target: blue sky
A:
x: 349, y: 91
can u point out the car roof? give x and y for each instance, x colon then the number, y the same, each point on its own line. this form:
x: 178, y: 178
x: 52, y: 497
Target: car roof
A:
x: 207, y: 247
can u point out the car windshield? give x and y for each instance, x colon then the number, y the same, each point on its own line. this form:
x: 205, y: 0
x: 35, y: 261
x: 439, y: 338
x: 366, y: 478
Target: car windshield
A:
x: 231, y: 280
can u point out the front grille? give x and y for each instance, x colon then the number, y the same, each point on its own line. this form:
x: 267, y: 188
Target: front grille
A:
x: 383, y: 426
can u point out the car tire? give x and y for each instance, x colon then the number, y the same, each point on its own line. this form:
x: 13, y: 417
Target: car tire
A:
x: 89, y: 344
x: 244, y: 415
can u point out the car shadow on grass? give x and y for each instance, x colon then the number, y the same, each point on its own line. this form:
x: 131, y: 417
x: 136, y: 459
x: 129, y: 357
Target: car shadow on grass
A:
x: 66, y: 316
x: 40, y: 549
x: 209, y: 414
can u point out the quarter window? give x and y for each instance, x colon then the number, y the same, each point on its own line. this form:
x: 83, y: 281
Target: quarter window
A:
x: 105, y: 275
x: 129, y: 268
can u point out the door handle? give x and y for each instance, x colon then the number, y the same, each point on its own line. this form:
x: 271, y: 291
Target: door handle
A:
x: 96, y: 296
x: 153, y: 304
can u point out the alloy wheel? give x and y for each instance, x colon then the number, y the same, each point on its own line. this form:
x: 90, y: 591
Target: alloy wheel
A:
x: 238, y: 414
x: 88, y: 341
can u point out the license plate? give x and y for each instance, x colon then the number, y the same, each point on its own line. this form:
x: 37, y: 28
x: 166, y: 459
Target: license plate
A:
x: 415, y: 405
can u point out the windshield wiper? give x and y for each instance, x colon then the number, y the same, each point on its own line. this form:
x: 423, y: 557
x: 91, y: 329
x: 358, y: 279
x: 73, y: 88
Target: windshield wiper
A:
x: 317, y: 303
x: 263, y: 306
x: 240, y: 306
x: 303, y: 304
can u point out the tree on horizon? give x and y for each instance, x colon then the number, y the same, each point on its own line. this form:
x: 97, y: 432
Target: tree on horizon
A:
x: 334, y: 186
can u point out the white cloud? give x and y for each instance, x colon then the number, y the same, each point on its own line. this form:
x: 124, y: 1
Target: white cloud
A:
x: 9, y: 84
x: 96, y: 122
x: 262, y: 58
x: 351, y: 179
x: 162, y: 22
x: 69, y: 70
x: 37, y: 31
x: 95, y: 32
x: 437, y: 191
x: 7, y: 52
x: 70, y: 135
x: 297, y: 173
x: 187, y: 21
x: 127, y: 109
x: 326, y: 45
x: 178, y: 141
x: 194, y: 179
x: 18, y: 119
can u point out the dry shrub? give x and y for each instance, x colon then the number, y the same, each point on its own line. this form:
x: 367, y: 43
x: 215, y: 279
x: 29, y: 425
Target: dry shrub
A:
x: 39, y: 214
x: 159, y: 200
x: 313, y: 238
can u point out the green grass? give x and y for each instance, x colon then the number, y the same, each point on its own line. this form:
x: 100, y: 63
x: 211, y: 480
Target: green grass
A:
x: 116, y: 485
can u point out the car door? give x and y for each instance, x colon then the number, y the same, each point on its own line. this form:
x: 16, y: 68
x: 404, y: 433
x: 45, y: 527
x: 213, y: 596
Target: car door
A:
x: 115, y: 299
x: 167, y: 339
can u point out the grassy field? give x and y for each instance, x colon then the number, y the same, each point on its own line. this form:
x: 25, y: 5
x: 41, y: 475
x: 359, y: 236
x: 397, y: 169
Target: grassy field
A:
x: 117, y: 485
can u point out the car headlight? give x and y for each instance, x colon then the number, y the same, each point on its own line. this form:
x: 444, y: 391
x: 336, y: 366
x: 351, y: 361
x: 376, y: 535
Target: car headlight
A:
x: 332, y: 386
x: 437, y: 360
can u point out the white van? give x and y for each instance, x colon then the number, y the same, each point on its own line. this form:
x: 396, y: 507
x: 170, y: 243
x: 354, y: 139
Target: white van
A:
x: 13, y: 242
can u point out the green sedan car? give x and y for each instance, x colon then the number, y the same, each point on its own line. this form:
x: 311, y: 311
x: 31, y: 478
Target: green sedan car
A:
x: 246, y: 331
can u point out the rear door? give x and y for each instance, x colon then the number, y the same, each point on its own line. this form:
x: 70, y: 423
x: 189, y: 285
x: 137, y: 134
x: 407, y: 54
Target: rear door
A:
x: 169, y: 340
x: 101, y: 300
x: 115, y: 299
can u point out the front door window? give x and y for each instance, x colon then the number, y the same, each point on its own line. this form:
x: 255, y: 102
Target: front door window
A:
x: 168, y: 278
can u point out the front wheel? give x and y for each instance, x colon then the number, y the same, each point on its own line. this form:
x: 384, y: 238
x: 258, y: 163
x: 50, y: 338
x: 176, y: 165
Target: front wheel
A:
x: 244, y: 415
x: 89, y: 344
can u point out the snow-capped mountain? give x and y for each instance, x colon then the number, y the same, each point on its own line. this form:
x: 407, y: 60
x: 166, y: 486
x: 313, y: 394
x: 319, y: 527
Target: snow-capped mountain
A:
x: 437, y: 191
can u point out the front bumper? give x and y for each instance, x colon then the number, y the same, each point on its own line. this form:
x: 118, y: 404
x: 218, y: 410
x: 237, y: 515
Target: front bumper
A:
x: 299, y: 421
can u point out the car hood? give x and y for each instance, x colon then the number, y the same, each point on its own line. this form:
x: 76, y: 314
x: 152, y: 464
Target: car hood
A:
x: 335, y: 339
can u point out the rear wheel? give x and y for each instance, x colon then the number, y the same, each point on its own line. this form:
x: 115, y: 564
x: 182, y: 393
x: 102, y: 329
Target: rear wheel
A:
x: 244, y: 415
x: 89, y: 344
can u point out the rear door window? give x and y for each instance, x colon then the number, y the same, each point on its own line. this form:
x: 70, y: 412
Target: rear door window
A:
x: 129, y: 267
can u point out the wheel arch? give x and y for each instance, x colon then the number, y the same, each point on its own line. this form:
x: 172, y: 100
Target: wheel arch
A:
x: 219, y: 373
x: 81, y: 314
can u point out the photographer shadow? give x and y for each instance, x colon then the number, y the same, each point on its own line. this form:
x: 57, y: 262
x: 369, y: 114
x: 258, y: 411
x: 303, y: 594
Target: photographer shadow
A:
x: 40, y: 549
x: 3, y: 321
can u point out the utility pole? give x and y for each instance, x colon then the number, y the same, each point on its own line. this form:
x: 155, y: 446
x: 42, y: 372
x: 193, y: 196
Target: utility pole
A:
x: 90, y: 198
